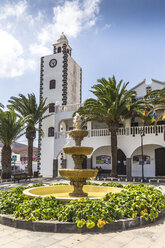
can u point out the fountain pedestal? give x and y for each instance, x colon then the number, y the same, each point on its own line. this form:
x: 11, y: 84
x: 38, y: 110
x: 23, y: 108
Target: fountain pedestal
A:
x: 78, y: 176
x: 78, y: 179
x: 78, y: 187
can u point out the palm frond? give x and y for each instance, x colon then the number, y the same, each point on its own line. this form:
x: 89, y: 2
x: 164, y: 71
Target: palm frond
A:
x: 11, y: 127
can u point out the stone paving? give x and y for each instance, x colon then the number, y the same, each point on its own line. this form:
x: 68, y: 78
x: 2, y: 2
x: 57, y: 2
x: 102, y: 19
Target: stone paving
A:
x: 152, y: 236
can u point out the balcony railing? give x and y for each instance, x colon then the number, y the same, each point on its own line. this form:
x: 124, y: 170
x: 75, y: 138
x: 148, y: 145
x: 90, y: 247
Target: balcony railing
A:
x: 148, y: 129
x: 122, y: 131
x: 66, y: 108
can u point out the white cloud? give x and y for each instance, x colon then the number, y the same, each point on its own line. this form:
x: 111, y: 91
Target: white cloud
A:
x: 107, y: 26
x: 13, y: 14
x: 71, y: 18
x: 13, y: 10
x: 12, y: 63
x: 25, y: 35
x: 39, y: 50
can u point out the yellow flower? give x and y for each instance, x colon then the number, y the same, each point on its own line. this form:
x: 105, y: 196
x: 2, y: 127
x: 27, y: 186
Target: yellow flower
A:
x: 90, y: 224
x: 134, y: 215
x: 101, y: 223
x: 81, y: 223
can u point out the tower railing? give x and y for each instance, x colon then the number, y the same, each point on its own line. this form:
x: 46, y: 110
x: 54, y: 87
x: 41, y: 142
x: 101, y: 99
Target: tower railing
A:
x: 66, y: 108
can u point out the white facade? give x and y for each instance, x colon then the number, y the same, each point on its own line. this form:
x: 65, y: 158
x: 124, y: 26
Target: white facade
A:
x: 129, y: 138
x: 60, y: 83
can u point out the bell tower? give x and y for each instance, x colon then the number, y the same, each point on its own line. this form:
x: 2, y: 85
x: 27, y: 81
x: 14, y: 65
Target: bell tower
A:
x: 60, y: 81
x: 66, y: 73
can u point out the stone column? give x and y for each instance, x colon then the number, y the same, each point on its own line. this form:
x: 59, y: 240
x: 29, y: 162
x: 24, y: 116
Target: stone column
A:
x: 89, y: 163
x: 129, y: 169
x: 55, y: 167
x: 127, y: 126
x: 89, y: 128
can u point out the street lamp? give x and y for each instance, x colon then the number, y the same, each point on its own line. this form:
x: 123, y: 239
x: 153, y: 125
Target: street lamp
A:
x: 142, y: 133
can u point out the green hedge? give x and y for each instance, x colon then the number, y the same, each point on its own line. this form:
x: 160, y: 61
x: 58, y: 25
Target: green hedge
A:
x: 132, y: 201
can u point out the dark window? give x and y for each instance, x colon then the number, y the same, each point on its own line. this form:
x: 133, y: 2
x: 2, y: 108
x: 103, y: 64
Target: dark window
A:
x: 67, y: 50
x: 59, y: 49
x: 52, y: 84
x: 51, y: 107
x: 148, y: 89
x: 133, y: 99
x: 50, y: 131
x: 134, y: 124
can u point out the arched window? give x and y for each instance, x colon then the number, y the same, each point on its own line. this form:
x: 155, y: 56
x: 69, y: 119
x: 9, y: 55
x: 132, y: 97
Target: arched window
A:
x: 67, y: 50
x: 59, y: 50
x: 51, y: 107
x: 50, y: 131
x: 52, y: 84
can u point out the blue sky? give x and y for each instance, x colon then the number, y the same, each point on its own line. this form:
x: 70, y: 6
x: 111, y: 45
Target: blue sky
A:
x: 125, y: 38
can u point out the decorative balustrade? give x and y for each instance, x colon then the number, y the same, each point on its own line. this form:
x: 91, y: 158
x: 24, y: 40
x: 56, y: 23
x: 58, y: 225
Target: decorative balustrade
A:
x: 98, y: 132
x: 65, y: 108
x: 61, y: 135
x: 147, y: 129
x: 122, y: 131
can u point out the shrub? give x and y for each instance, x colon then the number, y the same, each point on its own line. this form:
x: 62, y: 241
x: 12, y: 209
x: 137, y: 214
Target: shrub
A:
x: 131, y: 202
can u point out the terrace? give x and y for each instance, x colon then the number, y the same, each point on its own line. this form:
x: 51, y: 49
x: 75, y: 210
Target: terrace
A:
x: 148, y: 130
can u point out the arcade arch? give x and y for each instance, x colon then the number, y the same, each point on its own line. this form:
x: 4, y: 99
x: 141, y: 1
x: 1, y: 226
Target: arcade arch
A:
x: 154, y: 157
x: 102, y: 159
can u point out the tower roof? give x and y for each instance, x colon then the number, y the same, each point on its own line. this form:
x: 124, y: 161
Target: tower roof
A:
x: 62, y: 39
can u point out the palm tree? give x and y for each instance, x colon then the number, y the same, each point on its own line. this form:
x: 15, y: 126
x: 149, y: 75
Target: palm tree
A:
x: 28, y: 108
x: 157, y: 99
x: 112, y: 105
x: 1, y: 105
x: 11, y: 128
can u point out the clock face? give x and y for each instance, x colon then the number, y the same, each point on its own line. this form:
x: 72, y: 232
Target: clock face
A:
x: 53, y: 63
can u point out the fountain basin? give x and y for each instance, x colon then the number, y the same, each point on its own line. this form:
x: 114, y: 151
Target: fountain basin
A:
x: 78, y: 133
x: 78, y: 179
x: 78, y: 150
x: 78, y: 173
x: 61, y: 192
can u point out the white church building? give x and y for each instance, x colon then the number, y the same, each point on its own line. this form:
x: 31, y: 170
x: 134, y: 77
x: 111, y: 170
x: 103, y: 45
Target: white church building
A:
x: 61, y: 84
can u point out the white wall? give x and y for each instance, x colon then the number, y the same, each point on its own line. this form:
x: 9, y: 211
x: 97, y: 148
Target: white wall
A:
x: 73, y: 81
x: 149, y: 169
x: 53, y: 95
x: 141, y: 89
x: 47, y: 152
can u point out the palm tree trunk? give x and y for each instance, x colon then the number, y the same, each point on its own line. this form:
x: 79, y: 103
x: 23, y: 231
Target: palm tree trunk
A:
x: 114, y: 152
x: 6, y: 162
x: 30, y: 156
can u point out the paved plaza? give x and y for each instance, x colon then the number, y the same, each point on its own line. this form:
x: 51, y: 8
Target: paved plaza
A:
x: 152, y: 236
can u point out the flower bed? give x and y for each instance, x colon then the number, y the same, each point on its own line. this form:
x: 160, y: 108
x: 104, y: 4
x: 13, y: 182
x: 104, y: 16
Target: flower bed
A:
x: 137, y: 200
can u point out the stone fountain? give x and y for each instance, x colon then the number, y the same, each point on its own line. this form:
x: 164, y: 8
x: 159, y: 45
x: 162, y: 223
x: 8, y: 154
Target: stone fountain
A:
x: 78, y: 176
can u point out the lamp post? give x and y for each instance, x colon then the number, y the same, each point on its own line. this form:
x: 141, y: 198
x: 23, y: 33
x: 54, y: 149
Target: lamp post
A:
x: 142, y: 157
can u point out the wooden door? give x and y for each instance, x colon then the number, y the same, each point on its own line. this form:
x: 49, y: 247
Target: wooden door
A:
x: 160, y: 161
x: 121, y: 162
